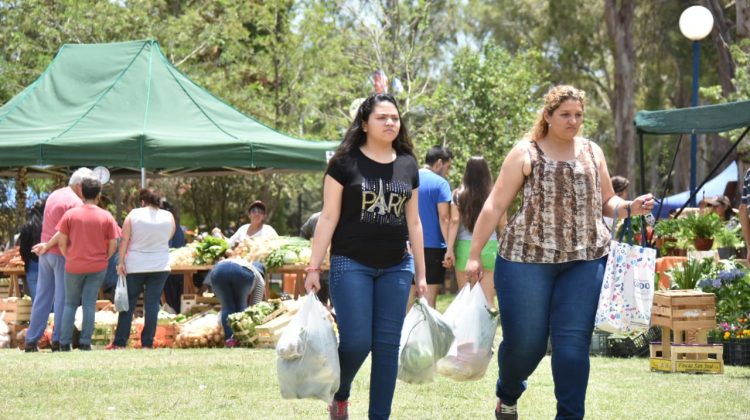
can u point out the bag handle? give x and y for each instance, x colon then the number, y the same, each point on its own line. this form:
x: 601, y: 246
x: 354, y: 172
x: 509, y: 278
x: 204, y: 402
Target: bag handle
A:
x: 627, y: 227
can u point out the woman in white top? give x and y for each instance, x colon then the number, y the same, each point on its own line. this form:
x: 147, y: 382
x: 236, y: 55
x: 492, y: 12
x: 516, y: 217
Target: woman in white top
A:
x: 256, y: 228
x: 144, y: 259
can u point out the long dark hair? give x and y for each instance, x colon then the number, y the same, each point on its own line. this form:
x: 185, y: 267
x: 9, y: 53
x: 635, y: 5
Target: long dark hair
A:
x: 355, y: 137
x: 474, y: 190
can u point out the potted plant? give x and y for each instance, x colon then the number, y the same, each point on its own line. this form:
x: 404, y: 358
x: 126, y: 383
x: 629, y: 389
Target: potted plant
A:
x: 688, y: 274
x: 701, y: 228
x: 667, y: 232
x: 729, y: 241
x: 731, y: 285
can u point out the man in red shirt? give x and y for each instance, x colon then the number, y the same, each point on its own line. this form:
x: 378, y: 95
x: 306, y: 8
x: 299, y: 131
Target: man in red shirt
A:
x: 88, y: 237
x: 51, y: 283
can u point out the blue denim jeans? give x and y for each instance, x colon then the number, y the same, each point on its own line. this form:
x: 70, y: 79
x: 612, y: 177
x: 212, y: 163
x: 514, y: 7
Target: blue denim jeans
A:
x: 232, y: 284
x: 50, y: 294
x: 80, y: 289
x: 151, y: 284
x: 541, y: 301
x: 31, y: 278
x: 370, y: 307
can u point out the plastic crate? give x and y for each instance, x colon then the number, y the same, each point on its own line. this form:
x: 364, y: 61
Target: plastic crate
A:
x: 599, y: 343
x: 737, y: 352
x: 633, y: 346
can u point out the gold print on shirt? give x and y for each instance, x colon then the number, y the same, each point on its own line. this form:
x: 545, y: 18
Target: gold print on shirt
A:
x: 383, y: 201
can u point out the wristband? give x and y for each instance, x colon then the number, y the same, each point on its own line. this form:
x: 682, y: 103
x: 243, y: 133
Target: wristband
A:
x: 312, y: 270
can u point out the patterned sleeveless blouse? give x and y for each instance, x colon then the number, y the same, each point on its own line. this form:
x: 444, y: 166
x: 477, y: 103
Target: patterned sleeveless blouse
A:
x: 560, y: 219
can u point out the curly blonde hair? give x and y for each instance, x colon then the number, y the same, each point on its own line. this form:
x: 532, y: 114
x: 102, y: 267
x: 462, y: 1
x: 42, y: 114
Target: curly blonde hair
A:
x: 552, y: 100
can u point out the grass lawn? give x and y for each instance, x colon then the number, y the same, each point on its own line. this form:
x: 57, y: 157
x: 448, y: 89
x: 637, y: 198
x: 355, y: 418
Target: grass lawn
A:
x: 241, y: 383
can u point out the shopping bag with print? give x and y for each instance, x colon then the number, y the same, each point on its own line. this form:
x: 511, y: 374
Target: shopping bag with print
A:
x: 121, y: 295
x: 627, y: 291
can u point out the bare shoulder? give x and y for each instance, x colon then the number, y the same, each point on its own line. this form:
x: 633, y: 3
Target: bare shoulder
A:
x: 519, y: 156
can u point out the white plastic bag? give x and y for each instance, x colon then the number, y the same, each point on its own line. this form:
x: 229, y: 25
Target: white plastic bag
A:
x: 4, y: 332
x: 308, y: 356
x: 121, y: 295
x: 425, y: 338
x: 475, y: 327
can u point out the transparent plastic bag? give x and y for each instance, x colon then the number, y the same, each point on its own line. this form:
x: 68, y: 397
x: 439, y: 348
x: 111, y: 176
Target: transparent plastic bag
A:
x: 425, y: 339
x: 308, y: 357
x: 121, y: 295
x: 4, y: 332
x: 474, y: 326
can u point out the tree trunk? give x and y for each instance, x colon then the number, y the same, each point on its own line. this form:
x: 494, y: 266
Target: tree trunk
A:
x: 722, y: 38
x: 21, y: 185
x: 743, y: 18
x: 619, y: 17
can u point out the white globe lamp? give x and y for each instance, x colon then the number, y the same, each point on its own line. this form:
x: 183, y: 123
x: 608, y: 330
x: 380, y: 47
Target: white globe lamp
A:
x: 696, y: 22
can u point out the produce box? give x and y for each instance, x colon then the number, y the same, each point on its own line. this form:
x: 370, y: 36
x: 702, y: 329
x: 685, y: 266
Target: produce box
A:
x: 164, y: 337
x: 244, y: 324
x: 4, y: 287
x: 684, y: 309
x: 16, y: 309
x: 103, y: 334
x: 192, y: 303
x: 268, y: 334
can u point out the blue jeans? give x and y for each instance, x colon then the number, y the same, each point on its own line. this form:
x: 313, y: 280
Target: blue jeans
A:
x: 232, y: 284
x: 538, y: 301
x: 80, y: 289
x: 370, y: 307
x: 50, y: 294
x: 31, y: 278
x: 151, y: 284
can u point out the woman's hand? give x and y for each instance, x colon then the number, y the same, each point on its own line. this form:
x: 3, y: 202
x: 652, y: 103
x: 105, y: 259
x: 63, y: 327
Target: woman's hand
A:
x: 312, y: 281
x: 473, y: 270
x: 39, y: 249
x: 450, y: 259
x: 421, y: 287
x: 643, y: 204
x: 121, y: 269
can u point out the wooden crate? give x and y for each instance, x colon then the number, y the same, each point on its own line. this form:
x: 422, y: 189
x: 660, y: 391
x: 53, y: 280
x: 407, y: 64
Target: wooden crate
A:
x: 684, y: 310
x: 192, y: 303
x: 268, y: 333
x: 686, y: 366
x: 16, y: 309
x: 4, y: 287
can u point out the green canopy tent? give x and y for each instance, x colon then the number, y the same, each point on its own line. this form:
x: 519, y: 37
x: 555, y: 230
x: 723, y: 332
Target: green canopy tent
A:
x: 699, y: 120
x: 124, y: 105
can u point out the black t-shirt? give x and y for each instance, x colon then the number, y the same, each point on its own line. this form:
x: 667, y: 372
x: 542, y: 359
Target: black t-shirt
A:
x: 372, y: 226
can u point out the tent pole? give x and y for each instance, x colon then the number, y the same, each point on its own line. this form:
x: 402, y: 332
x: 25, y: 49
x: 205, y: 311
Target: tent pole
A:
x: 669, y: 178
x: 713, y: 171
x: 643, y: 170
x: 143, y: 177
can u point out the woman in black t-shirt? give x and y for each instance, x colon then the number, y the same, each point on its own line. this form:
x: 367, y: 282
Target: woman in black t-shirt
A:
x: 370, y: 211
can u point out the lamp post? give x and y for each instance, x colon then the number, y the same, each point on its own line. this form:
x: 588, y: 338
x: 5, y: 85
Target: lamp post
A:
x: 696, y: 22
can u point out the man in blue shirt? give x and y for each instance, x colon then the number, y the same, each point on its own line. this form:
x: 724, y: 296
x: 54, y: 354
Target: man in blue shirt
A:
x: 434, y: 211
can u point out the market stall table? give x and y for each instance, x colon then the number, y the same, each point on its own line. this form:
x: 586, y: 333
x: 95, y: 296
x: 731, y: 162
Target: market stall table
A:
x: 298, y: 273
x: 13, y: 273
x: 188, y: 271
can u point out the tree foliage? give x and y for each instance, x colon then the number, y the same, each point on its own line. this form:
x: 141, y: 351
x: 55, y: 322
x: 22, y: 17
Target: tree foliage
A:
x: 472, y: 72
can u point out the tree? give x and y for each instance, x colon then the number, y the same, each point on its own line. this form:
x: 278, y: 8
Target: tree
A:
x: 619, y: 18
x: 482, y: 108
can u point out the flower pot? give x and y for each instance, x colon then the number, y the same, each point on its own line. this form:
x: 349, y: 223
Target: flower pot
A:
x: 737, y: 352
x: 703, y: 244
